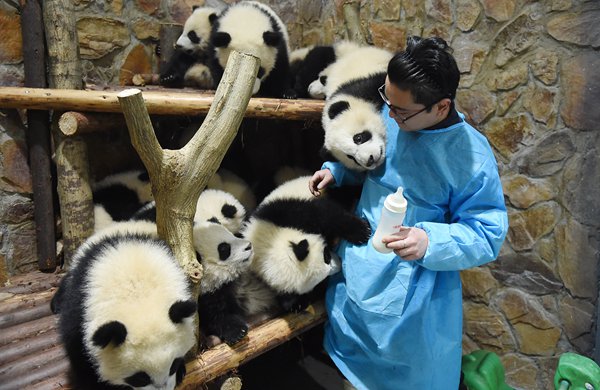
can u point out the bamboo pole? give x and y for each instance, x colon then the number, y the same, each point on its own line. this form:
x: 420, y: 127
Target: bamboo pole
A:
x: 163, y: 102
x: 38, y: 135
x: 65, y: 72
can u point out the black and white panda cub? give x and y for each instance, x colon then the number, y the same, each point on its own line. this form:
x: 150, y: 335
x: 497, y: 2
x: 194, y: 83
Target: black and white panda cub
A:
x: 292, y: 232
x: 125, y: 311
x: 187, y: 66
x: 117, y: 197
x: 307, y: 65
x: 252, y: 27
x: 355, y: 132
x: 224, y: 258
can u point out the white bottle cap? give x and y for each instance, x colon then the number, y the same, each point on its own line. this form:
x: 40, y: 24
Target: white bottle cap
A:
x: 396, y: 202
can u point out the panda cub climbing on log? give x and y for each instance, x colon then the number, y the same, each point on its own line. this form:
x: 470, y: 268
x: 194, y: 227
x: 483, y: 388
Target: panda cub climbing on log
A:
x: 292, y: 234
x: 125, y: 311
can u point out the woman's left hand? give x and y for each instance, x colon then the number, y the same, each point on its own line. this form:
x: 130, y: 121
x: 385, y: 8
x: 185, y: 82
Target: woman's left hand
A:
x: 410, y: 243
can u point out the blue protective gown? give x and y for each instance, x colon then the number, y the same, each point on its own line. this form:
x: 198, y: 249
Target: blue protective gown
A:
x: 397, y: 324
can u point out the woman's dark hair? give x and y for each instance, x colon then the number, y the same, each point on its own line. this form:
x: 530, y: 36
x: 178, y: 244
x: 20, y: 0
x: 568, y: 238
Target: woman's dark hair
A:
x: 426, y: 68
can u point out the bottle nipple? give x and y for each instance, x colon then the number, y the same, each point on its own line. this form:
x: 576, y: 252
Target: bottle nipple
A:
x: 396, y: 202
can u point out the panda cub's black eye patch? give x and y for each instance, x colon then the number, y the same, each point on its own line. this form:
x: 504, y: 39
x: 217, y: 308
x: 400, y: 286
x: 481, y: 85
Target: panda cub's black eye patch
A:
x: 139, y: 379
x: 300, y: 249
x: 193, y: 37
x: 228, y: 210
x: 361, y: 138
x: 323, y: 80
x: 224, y: 250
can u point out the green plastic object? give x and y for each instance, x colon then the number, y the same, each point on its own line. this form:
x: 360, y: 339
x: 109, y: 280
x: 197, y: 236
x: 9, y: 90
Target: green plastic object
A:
x: 576, y: 372
x: 482, y: 370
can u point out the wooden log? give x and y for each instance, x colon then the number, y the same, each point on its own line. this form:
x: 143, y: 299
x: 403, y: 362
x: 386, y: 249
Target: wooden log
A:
x: 14, y: 349
x: 24, y: 315
x: 65, y: 72
x: 219, y: 360
x: 72, y: 122
x: 26, y: 332
x: 163, y: 102
x: 354, y: 28
x: 141, y: 79
x: 38, y: 135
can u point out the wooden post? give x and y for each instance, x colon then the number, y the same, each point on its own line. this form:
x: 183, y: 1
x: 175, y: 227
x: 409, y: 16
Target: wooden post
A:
x: 167, y: 35
x: 65, y: 72
x: 354, y: 29
x: 178, y: 176
x: 38, y: 135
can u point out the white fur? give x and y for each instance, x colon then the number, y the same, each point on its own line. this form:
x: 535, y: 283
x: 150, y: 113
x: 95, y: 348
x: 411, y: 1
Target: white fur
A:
x: 355, y: 64
x: 292, y: 189
x: 102, y: 219
x: 246, y: 22
x: 129, y: 179
x: 339, y: 132
x: 300, y: 54
x: 207, y: 238
x: 230, y: 182
x: 198, y: 76
x: 210, y: 204
x: 136, y: 283
x: 198, y: 21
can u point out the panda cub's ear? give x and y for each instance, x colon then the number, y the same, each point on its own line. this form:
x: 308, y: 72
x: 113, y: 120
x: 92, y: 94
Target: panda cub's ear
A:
x: 211, y: 18
x: 113, y: 331
x: 221, y: 39
x: 272, y: 38
x: 337, y: 108
x: 182, y: 309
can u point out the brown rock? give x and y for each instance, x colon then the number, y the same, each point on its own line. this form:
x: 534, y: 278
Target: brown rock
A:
x: 137, y: 61
x: 577, y: 259
x: 540, y: 102
x: 308, y: 11
x: 576, y: 316
x: 411, y: 8
x: 526, y: 272
x: 16, y: 209
x: 546, y: 248
x: 506, y: 100
x: 468, y: 345
x: 526, y: 227
x: 580, y: 82
x: 387, y: 10
x: 487, y: 328
x: 439, y: 10
x: 3, y: 270
x: 100, y: 36
x: 388, y: 36
x: 21, y: 254
x: 500, y: 11
x: 545, y: 66
x: 519, y: 307
x: 16, y: 176
x: 148, y: 6
x: 477, y: 283
x: 580, y: 28
x: 534, y: 341
x: 467, y: 13
x: 480, y: 104
x: 12, y: 76
x: 515, y: 38
x: 548, y: 156
x: 510, y: 78
x: 146, y: 28
x: 518, y: 236
x: 438, y: 30
x: 580, y: 193
x: 561, y: 5
x: 508, y: 134
x: 524, y: 192
x: 116, y: 6
x: 521, y: 371
x: 11, y: 49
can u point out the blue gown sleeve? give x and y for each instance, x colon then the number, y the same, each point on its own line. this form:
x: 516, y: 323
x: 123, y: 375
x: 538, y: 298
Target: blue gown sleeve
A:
x: 343, y: 176
x: 477, y: 229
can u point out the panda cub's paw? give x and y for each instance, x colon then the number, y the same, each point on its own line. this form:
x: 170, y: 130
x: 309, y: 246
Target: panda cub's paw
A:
x: 290, y: 94
x: 293, y: 303
x: 359, y: 232
x: 235, y: 330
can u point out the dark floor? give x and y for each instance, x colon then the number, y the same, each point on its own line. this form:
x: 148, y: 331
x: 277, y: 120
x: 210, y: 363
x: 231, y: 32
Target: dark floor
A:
x: 300, y: 364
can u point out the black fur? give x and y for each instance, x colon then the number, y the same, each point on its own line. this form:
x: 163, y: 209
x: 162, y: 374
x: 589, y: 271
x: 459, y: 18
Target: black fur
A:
x: 278, y: 83
x: 181, y: 309
x: 119, y: 201
x: 221, y: 314
x: 112, y: 332
x: 364, y: 88
x: 337, y: 108
x: 317, y: 216
x: 307, y: 70
x: 145, y: 213
x: 173, y: 73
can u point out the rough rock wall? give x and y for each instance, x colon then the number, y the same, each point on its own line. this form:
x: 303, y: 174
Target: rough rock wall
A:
x: 529, y: 82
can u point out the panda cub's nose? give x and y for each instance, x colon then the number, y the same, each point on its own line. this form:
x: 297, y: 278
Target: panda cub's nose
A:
x: 371, y: 161
x: 249, y: 247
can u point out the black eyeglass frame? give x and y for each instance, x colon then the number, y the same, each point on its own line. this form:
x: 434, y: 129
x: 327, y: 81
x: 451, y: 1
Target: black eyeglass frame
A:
x: 394, y: 109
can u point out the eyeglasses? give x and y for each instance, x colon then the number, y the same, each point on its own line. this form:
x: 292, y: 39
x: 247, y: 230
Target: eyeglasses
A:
x: 395, y: 110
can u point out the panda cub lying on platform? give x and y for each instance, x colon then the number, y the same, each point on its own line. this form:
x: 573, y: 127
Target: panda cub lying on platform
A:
x: 125, y: 311
x: 292, y: 232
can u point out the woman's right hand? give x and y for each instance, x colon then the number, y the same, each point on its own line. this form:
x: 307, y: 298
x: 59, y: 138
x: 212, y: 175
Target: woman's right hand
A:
x: 319, y: 181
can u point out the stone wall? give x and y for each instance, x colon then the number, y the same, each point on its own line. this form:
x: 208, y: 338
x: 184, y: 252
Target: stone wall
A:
x: 529, y: 82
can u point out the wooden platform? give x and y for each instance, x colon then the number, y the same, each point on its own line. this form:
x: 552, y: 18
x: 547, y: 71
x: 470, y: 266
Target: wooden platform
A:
x: 31, y: 356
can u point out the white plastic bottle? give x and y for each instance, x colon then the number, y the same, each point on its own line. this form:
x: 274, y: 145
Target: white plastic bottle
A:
x: 392, y: 216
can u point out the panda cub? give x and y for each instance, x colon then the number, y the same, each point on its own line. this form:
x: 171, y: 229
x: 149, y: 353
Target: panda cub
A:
x: 125, y: 311
x: 308, y: 65
x: 224, y: 258
x: 355, y: 132
x: 187, y: 66
x: 252, y: 27
x: 292, y: 233
x: 117, y: 197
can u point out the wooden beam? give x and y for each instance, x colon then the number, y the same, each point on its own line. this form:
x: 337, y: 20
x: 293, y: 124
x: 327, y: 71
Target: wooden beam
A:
x: 163, y: 102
